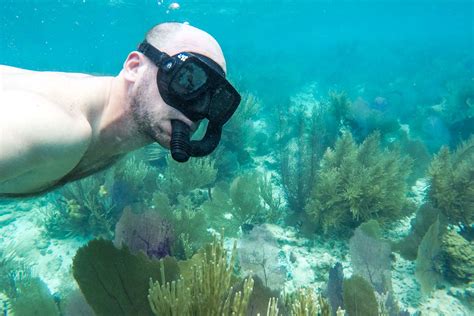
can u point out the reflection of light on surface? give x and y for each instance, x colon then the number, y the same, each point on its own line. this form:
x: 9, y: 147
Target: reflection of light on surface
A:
x: 174, y: 6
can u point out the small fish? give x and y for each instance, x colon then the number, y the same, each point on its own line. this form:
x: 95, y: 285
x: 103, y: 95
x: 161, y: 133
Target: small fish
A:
x: 440, y: 107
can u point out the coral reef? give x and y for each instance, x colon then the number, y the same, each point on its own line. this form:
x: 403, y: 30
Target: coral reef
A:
x: 359, y: 297
x: 259, y: 255
x: 75, y: 303
x: 181, y: 179
x: 239, y: 134
x: 305, y: 302
x: 207, y: 292
x: 187, y: 220
x: 370, y: 258
x: 451, y: 178
x: 33, y: 298
x: 248, y: 200
x: 146, y: 231
x: 298, y: 155
x: 358, y: 183
x: 306, y: 126
x: 86, y: 208
x: 364, y: 119
x: 113, y: 281
x: 457, y: 257
x: 428, y: 272
x: 425, y: 217
x: 334, y: 290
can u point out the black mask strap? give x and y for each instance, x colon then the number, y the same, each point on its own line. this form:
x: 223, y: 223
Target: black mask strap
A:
x: 154, y: 54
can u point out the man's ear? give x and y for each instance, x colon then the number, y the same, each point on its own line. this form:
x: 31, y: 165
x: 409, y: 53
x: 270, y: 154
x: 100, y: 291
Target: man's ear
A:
x: 132, y: 65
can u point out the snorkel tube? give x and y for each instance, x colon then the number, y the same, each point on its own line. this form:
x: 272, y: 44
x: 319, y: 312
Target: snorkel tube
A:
x: 182, y: 147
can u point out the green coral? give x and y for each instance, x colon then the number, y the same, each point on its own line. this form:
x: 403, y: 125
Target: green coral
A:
x: 87, y: 208
x: 245, y: 197
x: 207, y: 291
x: 33, y: 298
x: 357, y: 183
x: 339, y: 105
x: 452, y: 185
x: 299, y: 154
x: 137, y: 175
x: 359, y: 297
x: 458, y: 258
x: 428, y: 271
x: 304, y: 302
x: 239, y: 136
x: 188, y: 222
x: 247, y: 200
x: 182, y: 178
x: 114, y: 281
x: 21, y: 293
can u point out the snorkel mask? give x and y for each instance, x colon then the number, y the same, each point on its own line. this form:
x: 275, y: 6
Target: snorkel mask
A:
x: 196, y: 86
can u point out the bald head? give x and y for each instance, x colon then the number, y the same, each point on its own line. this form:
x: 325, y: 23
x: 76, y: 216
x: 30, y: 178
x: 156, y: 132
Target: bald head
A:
x: 174, y: 38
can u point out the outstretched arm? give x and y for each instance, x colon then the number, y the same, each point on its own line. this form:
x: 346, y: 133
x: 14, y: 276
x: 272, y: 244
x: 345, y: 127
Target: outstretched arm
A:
x: 39, y: 143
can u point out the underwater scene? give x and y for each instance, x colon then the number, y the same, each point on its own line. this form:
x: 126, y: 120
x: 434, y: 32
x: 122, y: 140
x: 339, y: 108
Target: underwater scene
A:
x: 342, y: 185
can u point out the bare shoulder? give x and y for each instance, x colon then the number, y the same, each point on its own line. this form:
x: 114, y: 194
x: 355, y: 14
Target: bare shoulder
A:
x: 39, y: 141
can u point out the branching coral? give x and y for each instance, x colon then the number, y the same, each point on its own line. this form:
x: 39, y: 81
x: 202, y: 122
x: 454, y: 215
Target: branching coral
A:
x: 298, y: 157
x: 304, y: 302
x: 180, y: 179
x: 358, y: 183
x: 86, y: 208
x: 458, y: 258
x: 248, y: 200
x: 187, y: 220
x: 339, y: 105
x: 207, y: 292
x: 134, y: 180
x: 239, y: 135
x: 452, y: 186
x: 34, y: 298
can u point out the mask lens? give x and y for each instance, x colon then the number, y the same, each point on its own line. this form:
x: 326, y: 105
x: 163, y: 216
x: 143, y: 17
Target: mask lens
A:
x: 223, y: 104
x: 190, y: 78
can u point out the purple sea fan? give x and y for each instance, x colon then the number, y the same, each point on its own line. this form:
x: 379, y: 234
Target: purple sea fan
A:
x: 146, y: 231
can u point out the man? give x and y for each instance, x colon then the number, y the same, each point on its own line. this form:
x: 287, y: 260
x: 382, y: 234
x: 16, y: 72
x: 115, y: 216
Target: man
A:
x: 59, y: 127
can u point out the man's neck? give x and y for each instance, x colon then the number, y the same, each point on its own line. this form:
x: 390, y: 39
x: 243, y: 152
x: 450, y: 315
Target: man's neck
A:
x: 114, y: 128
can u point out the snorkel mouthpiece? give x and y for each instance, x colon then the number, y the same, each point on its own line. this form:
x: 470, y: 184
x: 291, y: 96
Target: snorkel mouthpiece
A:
x: 182, y: 147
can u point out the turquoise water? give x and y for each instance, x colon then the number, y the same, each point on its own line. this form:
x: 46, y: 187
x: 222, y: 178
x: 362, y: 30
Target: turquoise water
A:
x: 311, y: 73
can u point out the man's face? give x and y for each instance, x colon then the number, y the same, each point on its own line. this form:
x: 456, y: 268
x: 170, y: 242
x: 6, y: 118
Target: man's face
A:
x: 151, y: 113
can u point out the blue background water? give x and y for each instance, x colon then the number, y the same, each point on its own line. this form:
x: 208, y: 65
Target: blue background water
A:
x: 272, y: 47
